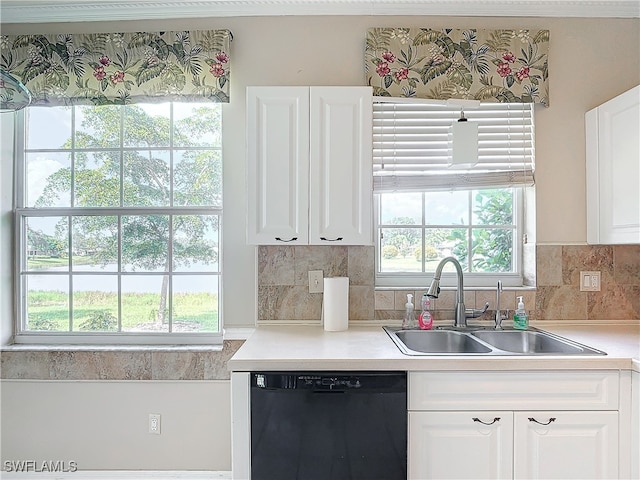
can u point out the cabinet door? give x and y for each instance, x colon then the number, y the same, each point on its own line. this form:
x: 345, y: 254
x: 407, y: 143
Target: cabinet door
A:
x: 613, y: 170
x: 341, y: 181
x: 460, y: 445
x: 566, y: 445
x: 277, y: 165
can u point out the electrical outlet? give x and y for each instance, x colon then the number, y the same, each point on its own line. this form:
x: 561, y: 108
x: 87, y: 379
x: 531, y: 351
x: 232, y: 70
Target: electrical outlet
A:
x: 590, y: 281
x: 316, y: 281
x: 154, y: 423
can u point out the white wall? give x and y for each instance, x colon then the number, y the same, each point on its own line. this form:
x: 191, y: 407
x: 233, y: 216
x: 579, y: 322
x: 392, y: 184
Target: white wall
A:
x: 591, y: 60
x: 103, y: 425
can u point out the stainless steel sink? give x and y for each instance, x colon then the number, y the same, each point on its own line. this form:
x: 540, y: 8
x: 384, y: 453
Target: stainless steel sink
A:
x: 485, y: 341
x: 532, y: 342
x: 418, y: 342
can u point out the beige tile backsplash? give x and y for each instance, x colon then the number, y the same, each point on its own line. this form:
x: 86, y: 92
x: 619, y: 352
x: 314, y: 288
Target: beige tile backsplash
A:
x: 138, y: 364
x: 283, y: 285
x: 283, y: 297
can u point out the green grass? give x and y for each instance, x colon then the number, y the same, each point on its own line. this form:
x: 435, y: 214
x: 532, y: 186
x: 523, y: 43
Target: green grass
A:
x: 39, y: 262
x: 409, y: 264
x: 50, y: 310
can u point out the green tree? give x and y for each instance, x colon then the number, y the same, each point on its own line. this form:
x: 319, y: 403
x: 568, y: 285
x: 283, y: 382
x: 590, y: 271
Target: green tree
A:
x: 491, y: 246
x: 45, y: 244
x: 147, y: 181
x: 404, y: 239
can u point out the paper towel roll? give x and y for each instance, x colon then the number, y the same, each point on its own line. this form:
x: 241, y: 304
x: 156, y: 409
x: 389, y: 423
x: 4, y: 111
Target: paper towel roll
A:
x: 335, y: 304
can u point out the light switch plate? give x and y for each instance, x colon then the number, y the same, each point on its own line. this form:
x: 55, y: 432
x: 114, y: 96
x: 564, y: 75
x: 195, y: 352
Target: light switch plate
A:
x: 316, y: 281
x: 590, y: 281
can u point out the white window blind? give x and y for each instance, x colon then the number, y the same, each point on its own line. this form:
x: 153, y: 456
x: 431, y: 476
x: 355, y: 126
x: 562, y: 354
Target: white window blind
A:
x: 411, y: 146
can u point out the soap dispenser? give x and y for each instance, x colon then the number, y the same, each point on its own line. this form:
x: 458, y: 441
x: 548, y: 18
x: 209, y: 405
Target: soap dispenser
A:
x: 409, y: 320
x: 520, y: 319
x: 425, y: 320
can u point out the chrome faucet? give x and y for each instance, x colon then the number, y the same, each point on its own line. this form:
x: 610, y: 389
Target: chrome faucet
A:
x: 461, y: 313
x: 499, y: 316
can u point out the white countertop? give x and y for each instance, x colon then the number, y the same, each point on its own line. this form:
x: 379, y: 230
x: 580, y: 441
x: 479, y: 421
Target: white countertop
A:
x: 370, y: 348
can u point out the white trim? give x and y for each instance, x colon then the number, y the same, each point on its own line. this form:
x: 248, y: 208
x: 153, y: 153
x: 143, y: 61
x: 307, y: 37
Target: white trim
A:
x: 116, y: 475
x: 24, y: 211
x: 41, y: 11
x: 238, y: 333
x: 241, y: 425
x: 473, y: 281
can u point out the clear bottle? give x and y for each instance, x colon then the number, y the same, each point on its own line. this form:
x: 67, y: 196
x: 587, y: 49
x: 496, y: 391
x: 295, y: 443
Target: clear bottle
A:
x: 425, y: 320
x: 409, y: 320
x: 520, y: 319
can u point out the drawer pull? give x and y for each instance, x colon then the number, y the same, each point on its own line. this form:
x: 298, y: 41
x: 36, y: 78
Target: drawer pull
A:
x: 476, y: 419
x: 290, y: 240
x: 330, y: 239
x: 552, y: 419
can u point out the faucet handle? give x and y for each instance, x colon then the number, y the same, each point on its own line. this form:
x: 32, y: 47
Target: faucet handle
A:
x: 500, y: 317
x: 474, y: 312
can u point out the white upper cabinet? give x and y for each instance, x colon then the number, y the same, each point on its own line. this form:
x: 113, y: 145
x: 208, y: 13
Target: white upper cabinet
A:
x: 278, y: 164
x: 613, y: 170
x: 309, y: 165
x: 340, y: 183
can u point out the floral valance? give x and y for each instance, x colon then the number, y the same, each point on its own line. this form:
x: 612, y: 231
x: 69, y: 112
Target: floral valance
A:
x: 119, y: 68
x: 487, y: 65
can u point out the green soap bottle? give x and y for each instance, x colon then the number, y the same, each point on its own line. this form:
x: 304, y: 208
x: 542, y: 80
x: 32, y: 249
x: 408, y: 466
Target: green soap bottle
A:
x: 520, y: 319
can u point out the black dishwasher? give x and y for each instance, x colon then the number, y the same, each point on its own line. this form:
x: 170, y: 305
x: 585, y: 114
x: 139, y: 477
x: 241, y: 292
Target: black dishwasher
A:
x: 328, y: 425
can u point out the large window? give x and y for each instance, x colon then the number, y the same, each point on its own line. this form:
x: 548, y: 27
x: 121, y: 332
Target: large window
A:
x: 428, y: 209
x: 119, y: 224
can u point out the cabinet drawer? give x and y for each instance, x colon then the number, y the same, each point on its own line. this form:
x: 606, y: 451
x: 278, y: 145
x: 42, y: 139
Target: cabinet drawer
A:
x: 560, y: 390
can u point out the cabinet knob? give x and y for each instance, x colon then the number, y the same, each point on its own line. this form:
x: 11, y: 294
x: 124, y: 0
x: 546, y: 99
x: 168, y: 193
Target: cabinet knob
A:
x: 476, y: 419
x: 552, y: 419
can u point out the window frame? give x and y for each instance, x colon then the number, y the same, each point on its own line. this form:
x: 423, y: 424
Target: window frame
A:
x: 21, y: 213
x: 472, y: 279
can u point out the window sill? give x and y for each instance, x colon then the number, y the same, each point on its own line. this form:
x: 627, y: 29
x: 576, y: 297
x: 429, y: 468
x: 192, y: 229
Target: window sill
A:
x: 229, y: 334
x: 52, y: 347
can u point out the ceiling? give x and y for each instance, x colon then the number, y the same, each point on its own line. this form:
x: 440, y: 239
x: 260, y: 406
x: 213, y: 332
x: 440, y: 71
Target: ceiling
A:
x: 38, y: 11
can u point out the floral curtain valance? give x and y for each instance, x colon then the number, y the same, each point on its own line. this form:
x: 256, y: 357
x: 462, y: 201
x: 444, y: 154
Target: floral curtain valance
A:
x: 487, y: 65
x: 119, y: 68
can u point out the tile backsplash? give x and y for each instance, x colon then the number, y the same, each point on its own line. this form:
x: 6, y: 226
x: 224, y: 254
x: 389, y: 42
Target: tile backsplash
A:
x: 283, y: 294
x: 558, y: 294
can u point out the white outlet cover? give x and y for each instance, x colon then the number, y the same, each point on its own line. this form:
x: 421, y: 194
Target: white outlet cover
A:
x: 154, y: 423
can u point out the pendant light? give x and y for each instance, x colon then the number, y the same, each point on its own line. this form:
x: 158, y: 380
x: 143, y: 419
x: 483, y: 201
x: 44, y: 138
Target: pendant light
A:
x: 463, y: 143
x: 13, y: 94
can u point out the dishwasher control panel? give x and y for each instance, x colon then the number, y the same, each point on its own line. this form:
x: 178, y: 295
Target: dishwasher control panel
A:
x: 325, y: 381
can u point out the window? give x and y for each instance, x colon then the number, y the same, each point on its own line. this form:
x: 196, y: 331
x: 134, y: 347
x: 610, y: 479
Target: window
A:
x: 427, y: 209
x: 119, y: 224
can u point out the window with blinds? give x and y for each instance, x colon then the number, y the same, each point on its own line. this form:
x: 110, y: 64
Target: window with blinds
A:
x: 428, y: 208
x: 411, y: 146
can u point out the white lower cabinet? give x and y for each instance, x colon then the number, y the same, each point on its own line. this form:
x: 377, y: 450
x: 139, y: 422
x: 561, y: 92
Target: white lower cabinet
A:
x: 457, y: 445
x: 521, y: 425
x: 565, y: 445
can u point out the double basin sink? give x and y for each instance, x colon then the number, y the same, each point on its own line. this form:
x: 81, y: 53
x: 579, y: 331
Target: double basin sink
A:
x: 485, y: 341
